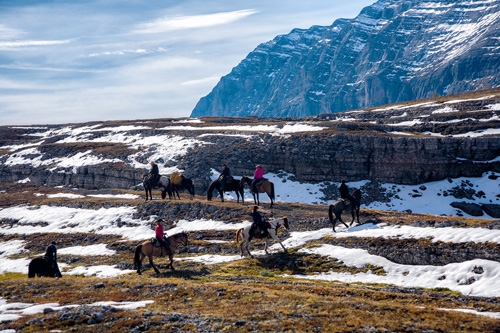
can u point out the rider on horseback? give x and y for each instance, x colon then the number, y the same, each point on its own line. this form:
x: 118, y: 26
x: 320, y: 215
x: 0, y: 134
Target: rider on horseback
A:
x: 223, y: 177
x: 258, y: 222
x: 257, y: 176
x: 344, y: 192
x: 160, y: 235
x: 154, y: 174
x: 51, y: 256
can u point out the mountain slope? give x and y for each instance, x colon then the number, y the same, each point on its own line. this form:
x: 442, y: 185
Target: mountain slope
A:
x: 393, y: 51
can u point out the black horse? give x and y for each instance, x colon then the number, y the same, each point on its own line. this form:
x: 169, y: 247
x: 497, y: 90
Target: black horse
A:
x: 344, y: 205
x: 147, y: 183
x: 173, y: 189
x: 234, y: 185
x: 41, y: 267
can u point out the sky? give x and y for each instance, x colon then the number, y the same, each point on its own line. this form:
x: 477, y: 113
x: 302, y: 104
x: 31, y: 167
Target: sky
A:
x: 65, y: 61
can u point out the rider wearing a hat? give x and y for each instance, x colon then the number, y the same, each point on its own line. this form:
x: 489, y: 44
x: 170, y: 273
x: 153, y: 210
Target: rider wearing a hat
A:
x: 160, y: 235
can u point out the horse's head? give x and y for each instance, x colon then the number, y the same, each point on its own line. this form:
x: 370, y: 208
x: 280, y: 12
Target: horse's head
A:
x: 184, y: 238
x: 244, y: 180
x: 357, y: 194
x: 285, y: 223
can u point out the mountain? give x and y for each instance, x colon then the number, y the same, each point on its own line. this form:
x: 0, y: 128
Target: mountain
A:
x: 392, y: 51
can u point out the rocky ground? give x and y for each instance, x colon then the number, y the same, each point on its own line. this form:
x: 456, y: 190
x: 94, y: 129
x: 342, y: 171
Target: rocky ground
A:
x: 250, y: 294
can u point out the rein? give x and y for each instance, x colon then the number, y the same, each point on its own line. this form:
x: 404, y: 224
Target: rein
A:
x: 176, y: 241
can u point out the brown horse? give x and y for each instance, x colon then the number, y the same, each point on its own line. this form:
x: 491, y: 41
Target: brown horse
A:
x: 244, y: 234
x: 266, y: 186
x: 147, y: 249
x: 345, y: 205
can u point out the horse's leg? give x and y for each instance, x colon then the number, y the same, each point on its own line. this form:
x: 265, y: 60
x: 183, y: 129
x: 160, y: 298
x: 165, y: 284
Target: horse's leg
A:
x: 221, y: 193
x: 266, y: 241
x: 352, y: 214
x: 275, y: 237
x: 153, y: 264
x: 338, y: 216
x: 357, y: 214
x: 247, y: 243
x: 171, y: 263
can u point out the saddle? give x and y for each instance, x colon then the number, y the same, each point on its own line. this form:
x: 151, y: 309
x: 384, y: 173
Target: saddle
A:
x: 156, y: 243
x: 259, y: 182
x: 228, y: 180
x: 176, y: 178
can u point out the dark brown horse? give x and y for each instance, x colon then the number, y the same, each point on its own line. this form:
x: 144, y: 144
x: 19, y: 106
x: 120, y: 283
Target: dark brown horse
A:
x: 265, y: 186
x: 244, y: 234
x: 147, y: 184
x: 42, y: 267
x: 233, y: 186
x: 147, y: 249
x: 173, y: 189
x: 345, y: 205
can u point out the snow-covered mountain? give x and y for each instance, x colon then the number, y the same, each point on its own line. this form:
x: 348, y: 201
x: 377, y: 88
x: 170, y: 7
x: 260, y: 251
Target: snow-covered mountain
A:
x: 392, y: 51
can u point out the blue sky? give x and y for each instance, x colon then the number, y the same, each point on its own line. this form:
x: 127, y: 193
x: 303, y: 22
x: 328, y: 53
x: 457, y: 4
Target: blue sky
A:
x: 76, y: 61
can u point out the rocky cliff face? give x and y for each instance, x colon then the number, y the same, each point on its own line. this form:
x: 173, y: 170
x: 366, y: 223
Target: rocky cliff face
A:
x: 393, y: 51
x: 402, y: 144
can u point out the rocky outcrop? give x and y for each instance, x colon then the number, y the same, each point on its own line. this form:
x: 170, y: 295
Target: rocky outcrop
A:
x: 393, y: 51
x: 402, y: 144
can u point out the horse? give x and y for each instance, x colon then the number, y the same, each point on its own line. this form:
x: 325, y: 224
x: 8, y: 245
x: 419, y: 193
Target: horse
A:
x: 146, y: 183
x: 234, y: 185
x: 42, y: 267
x: 147, y: 249
x: 340, y: 205
x: 266, y: 186
x: 173, y: 189
x: 244, y: 234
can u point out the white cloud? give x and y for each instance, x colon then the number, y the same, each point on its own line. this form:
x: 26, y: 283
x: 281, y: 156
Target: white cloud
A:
x: 26, y: 43
x: 193, y: 21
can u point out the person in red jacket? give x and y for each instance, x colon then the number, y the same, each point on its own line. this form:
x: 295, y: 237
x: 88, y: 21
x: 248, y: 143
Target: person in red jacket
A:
x: 160, y: 235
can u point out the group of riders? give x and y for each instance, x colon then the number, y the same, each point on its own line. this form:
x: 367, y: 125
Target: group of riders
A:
x: 259, y: 224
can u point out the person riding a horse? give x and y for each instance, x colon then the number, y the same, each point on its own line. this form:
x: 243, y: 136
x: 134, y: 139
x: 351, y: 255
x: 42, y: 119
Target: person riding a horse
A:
x: 344, y: 193
x: 258, y: 175
x: 224, y: 176
x: 160, y: 235
x: 51, y: 256
x: 258, y: 222
x: 154, y: 174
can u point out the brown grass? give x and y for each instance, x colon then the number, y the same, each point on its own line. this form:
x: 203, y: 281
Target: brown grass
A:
x: 239, y: 296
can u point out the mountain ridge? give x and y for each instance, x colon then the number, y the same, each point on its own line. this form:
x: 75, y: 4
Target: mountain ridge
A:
x: 365, y: 62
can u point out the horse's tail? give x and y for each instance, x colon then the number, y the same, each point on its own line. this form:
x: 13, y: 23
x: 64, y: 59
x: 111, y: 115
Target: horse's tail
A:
x: 239, y: 233
x: 272, y: 190
x: 330, y: 214
x: 192, y: 188
x: 210, y: 190
x: 137, y: 256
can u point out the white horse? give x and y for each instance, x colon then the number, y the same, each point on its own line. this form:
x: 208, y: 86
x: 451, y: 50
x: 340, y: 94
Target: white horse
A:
x: 244, y: 234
